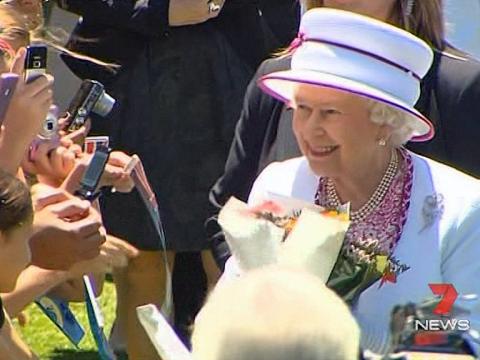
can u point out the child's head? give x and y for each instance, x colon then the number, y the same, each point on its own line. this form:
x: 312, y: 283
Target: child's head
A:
x: 16, y: 218
x: 13, y: 35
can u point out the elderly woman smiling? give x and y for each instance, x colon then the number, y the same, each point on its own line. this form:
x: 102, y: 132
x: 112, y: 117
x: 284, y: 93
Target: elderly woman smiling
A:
x: 352, y: 86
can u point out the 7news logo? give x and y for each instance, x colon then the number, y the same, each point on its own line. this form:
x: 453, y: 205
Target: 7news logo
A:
x: 448, y: 297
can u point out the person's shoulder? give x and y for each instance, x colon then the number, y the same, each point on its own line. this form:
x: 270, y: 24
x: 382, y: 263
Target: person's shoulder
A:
x: 457, y: 69
x: 279, y: 63
x: 291, y: 178
x: 292, y: 167
x: 448, y: 181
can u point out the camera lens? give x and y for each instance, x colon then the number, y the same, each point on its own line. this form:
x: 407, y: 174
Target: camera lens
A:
x: 50, y: 125
x: 104, y: 104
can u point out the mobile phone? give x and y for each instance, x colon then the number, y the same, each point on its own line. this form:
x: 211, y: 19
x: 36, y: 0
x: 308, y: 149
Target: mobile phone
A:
x: 8, y: 82
x: 35, y: 62
x: 93, y: 174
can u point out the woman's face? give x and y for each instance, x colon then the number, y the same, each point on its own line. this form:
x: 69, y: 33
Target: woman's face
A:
x: 379, y: 9
x: 334, y: 130
x: 14, y: 255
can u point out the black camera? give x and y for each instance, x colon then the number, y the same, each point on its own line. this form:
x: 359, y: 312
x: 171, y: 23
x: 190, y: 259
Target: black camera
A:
x: 91, y: 97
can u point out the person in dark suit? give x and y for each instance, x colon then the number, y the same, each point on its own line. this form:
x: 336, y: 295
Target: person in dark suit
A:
x: 449, y: 97
x: 178, y: 84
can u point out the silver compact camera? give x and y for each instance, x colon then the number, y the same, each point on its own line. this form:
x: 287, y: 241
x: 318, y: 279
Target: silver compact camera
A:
x: 91, y: 97
x: 50, y: 126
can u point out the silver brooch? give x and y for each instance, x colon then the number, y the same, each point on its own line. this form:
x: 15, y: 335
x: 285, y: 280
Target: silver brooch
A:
x: 432, y: 210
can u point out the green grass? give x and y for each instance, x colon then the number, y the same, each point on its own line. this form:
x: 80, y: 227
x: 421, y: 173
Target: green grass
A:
x: 49, y: 343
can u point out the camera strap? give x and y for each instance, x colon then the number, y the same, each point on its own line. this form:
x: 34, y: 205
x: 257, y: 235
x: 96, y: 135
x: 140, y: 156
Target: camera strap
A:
x: 89, y: 191
x: 137, y: 173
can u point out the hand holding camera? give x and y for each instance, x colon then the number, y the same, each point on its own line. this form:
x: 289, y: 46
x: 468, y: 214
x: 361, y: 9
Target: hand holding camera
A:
x: 66, y: 230
x: 115, y: 172
x: 25, y: 115
x: 90, y: 98
x: 52, y: 164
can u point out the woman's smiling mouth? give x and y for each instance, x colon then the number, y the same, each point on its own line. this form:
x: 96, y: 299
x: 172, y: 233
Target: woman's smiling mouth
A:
x: 321, y: 151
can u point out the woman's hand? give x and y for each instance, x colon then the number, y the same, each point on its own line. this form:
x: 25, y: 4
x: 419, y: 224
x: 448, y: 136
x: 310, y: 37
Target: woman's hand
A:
x: 52, y: 164
x: 29, y: 105
x: 115, y: 174
x: 77, y: 136
x: 114, y: 253
x: 25, y: 115
x: 66, y: 229
x: 190, y: 12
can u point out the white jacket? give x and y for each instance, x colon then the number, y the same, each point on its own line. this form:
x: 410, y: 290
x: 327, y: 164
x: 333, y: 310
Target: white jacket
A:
x: 447, y: 251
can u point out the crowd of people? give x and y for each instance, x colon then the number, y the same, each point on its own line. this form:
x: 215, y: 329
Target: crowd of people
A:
x: 365, y: 102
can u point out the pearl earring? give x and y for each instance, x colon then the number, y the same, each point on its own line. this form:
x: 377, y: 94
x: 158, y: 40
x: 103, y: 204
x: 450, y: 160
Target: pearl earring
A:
x: 382, y: 142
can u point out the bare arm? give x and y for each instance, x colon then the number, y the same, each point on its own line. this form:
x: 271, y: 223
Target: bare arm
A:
x: 11, y: 345
x: 32, y: 283
x: 73, y: 290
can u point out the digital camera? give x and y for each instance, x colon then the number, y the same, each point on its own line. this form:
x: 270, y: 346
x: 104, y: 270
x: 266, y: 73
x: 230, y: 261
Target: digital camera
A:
x: 91, y: 97
x: 48, y: 132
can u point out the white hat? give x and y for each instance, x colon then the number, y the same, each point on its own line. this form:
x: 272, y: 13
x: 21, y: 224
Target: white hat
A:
x: 350, y: 52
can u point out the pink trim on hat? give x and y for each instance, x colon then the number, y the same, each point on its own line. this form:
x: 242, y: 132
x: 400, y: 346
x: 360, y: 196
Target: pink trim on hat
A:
x: 297, y: 42
x: 428, y: 136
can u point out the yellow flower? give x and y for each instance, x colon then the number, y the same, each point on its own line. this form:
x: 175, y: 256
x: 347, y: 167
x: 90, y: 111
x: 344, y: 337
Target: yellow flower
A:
x: 382, y: 262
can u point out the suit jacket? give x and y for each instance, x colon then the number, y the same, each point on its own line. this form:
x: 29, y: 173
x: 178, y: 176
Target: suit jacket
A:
x: 444, y: 250
x: 450, y: 98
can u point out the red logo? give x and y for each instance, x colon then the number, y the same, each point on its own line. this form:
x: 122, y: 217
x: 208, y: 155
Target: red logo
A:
x: 448, y: 294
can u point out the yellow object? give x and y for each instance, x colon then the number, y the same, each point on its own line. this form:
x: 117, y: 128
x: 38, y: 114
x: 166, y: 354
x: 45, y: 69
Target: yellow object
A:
x: 381, y: 263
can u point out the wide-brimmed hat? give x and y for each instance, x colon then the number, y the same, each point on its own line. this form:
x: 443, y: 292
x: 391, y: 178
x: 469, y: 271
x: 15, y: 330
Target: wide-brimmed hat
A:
x: 354, y: 53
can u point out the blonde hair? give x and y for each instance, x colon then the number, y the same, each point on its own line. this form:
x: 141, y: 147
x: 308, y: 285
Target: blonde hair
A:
x: 275, y: 313
x: 18, y: 32
x: 13, y: 29
x: 424, y: 21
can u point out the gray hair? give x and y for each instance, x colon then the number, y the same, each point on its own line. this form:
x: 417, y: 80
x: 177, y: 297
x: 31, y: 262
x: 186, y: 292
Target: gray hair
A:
x: 275, y: 314
x: 383, y: 114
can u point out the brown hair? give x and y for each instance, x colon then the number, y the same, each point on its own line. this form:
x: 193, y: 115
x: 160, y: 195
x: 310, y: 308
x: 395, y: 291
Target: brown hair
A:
x: 424, y: 21
x: 15, y: 202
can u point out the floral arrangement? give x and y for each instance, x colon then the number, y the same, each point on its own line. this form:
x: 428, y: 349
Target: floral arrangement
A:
x: 294, y: 233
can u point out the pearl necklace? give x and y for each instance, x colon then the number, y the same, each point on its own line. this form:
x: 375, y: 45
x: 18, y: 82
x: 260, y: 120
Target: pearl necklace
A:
x: 376, y: 198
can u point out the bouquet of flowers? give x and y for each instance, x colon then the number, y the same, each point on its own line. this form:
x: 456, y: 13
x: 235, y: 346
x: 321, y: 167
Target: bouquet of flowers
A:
x: 359, y: 266
x: 291, y: 232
